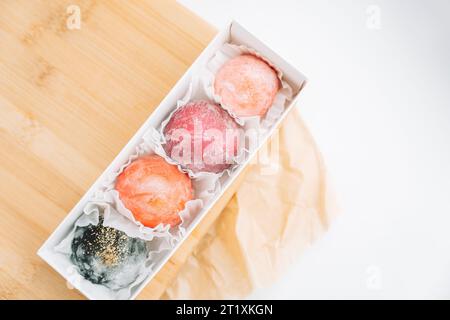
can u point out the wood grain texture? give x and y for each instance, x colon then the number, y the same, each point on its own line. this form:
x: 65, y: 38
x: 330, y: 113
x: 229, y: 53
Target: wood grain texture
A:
x: 69, y: 102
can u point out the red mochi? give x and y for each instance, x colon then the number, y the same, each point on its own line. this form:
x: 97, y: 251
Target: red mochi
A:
x: 202, y: 137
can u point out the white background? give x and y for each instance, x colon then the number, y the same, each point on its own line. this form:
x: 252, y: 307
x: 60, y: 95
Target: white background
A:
x: 378, y: 105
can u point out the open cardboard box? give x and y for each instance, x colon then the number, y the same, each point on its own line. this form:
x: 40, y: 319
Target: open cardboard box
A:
x: 233, y: 33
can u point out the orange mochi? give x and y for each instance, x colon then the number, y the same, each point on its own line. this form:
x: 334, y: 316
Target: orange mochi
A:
x: 154, y: 191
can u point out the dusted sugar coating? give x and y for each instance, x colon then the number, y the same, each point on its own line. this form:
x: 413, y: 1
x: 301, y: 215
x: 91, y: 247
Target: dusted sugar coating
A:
x: 202, y: 137
x: 107, y: 256
x: 247, y: 85
x: 154, y: 191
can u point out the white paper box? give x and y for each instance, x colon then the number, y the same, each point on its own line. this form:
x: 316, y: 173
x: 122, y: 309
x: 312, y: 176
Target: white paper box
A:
x: 234, y: 33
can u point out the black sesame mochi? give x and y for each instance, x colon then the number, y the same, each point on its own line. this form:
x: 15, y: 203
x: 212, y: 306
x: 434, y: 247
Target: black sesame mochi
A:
x: 107, y: 256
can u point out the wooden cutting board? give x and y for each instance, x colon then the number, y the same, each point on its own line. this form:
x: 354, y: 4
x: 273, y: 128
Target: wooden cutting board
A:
x: 70, y: 99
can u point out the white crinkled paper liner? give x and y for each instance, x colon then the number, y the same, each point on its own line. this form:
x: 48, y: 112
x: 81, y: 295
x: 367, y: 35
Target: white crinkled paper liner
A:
x: 111, y: 218
x: 229, y: 51
x: 157, y: 139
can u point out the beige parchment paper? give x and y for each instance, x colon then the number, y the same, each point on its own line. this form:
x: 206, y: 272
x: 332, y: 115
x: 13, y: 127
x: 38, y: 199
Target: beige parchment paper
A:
x: 280, y: 209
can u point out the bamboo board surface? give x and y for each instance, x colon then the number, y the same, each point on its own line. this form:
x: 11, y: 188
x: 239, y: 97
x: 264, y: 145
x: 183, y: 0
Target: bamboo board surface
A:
x: 70, y: 99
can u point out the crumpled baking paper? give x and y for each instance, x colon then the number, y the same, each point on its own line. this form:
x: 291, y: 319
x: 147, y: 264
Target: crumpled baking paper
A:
x: 280, y: 209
